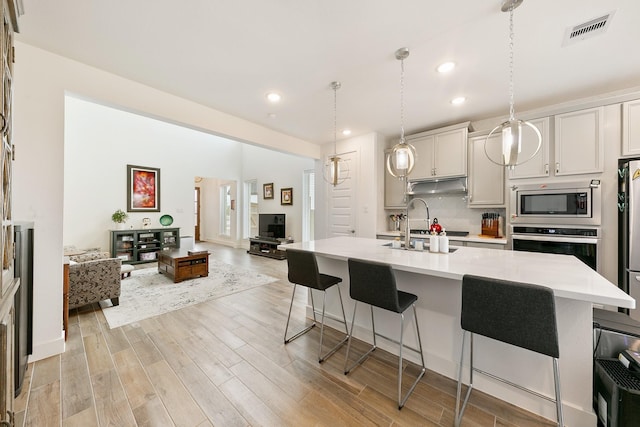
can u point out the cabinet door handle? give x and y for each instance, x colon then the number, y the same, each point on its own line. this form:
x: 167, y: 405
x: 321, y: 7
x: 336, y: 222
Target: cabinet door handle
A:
x: 546, y: 169
x: 557, y: 167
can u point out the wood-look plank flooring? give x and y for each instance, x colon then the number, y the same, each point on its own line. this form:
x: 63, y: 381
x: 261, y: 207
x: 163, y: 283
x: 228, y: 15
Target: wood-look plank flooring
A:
x: 223, y: 363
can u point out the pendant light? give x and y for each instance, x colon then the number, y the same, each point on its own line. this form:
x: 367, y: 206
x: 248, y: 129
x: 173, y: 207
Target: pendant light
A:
x: 511, y: 129
x: 401, y: 159
x: 336, y: 170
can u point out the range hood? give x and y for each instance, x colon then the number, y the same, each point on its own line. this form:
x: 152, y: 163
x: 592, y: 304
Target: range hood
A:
x: 440, y: 186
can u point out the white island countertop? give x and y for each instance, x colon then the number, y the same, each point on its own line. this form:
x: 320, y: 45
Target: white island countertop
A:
x: 566, y: 275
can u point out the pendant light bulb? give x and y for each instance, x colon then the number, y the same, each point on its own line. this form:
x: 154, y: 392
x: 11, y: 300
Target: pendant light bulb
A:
x: 336, y: 170
x: 512, y: 129
x: 401, y: 159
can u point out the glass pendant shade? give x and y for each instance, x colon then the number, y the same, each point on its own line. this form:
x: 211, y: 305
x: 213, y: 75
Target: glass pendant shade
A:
x: 511, y: 142
x: 336, y: 170
x: 401, y: 160
x: 512, y: 131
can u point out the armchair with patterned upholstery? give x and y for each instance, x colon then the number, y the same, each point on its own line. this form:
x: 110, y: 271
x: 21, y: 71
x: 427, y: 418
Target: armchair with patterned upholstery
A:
x: 93, y: 277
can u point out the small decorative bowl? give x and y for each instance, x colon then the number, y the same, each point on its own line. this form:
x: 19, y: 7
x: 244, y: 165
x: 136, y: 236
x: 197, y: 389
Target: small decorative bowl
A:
x: 166, y: 220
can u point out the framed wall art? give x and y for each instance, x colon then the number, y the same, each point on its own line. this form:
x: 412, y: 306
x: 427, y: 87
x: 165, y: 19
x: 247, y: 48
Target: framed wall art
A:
x: 143, y: 189
x: 286, y: 196
x: 267, y: 191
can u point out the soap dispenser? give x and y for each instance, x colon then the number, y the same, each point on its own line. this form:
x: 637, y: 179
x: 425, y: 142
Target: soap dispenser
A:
x: 444, y: 242
x: 434, y: 241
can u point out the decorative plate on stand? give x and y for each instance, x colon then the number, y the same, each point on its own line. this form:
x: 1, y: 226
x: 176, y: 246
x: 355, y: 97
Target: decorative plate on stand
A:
x: 166, y: 220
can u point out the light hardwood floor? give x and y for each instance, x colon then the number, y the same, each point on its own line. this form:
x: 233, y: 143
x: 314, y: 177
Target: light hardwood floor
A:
x: 223, y: 363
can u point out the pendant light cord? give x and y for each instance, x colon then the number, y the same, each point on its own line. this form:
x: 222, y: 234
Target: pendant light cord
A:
x: 335, y: 119
x: 402, y: 101
x: 512, y: 113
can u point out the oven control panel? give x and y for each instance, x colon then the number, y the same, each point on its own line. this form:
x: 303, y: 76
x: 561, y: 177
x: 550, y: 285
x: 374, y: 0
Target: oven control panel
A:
x: 557, y: 231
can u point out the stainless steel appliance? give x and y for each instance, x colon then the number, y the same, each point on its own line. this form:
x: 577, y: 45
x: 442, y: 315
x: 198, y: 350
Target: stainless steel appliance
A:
x: 583, y: 243
x: 559, y: 203
x: 629, y: 230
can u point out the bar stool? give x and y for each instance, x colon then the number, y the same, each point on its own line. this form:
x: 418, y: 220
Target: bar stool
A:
x: 519, y: 314
x: 375, y: 284
x: 303, y: 271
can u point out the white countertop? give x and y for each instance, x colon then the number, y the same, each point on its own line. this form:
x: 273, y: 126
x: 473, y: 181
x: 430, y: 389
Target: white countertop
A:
x: 565, y: 274
x: 469, y: 238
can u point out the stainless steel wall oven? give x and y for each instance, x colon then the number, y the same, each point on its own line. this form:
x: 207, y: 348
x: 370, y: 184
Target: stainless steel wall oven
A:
x: 583, y: 243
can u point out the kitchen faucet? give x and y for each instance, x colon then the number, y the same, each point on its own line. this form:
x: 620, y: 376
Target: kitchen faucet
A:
x: 407, y: 232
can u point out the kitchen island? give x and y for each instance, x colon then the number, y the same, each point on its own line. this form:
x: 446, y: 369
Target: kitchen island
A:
x: 436, y: 279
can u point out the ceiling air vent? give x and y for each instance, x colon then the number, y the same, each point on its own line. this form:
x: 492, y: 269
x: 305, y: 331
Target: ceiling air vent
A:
x: 588, y: 29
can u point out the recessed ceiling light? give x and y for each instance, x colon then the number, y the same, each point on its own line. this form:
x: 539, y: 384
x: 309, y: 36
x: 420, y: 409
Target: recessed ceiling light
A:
x: 274, y: 97
x: 346, y: 132
x: 271, y: 115
x: 459, y: 100
x: 445, y: 67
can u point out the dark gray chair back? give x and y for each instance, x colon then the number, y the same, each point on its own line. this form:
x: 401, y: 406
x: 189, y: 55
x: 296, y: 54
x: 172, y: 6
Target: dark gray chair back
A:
x: 520, y: 314
x: 373, y: 283
x: 303, y: 268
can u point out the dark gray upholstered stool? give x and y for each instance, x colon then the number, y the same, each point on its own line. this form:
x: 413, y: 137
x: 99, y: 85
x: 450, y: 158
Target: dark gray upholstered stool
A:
x: 519, y: 314
x: 303, y: 271
x: 375, y: 284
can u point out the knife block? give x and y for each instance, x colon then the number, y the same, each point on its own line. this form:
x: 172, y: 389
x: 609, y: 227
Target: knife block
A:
x: 492, y: 228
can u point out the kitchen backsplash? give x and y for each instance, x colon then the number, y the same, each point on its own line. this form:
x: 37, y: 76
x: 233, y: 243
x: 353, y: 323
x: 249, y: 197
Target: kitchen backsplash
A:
x: 452, y: 213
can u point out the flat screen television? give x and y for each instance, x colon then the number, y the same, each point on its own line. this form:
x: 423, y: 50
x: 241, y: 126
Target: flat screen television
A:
x: 271, y: 225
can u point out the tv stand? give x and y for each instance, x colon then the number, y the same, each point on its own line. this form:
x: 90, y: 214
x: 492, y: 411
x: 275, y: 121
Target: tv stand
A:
x: 267, y: 247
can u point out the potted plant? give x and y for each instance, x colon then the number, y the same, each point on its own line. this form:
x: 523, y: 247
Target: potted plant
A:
x: 119, y: 217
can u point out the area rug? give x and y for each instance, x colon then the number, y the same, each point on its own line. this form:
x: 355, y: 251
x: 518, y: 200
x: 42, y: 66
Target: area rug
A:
x: 147, y: 293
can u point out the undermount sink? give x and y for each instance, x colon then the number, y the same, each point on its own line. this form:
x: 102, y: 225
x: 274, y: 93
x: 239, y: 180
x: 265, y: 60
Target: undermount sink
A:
x: 426, y: 247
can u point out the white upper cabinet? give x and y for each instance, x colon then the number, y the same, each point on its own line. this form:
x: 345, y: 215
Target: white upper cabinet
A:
x: 425, y: 157
x: 486, y: 179
x: 579, y: 142
x: 631, y: 128
x: 440, y: 153
x: 538, y: 166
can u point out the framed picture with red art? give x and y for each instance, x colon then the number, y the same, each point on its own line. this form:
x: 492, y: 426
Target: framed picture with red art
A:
x: 143, y: 189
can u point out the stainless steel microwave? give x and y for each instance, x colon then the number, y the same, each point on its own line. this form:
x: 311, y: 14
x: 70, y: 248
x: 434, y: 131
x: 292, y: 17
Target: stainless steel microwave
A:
x: 563, y: 203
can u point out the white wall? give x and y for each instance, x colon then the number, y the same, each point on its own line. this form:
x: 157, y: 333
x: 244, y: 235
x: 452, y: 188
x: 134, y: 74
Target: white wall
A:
x: 41, y: 81
x: 99, y: 143
x: 284, y: 171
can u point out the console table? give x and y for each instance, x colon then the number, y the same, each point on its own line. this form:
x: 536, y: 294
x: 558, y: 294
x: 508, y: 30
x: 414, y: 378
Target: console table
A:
x: 144, y: 245
x: 266, y: 247
x: 180, y: 265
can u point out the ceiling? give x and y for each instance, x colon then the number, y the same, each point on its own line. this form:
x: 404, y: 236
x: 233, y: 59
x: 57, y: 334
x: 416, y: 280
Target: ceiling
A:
x: 227, y: 54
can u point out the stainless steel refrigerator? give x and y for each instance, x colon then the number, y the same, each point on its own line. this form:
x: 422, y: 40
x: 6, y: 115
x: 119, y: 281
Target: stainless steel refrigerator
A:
x: 629, y: 230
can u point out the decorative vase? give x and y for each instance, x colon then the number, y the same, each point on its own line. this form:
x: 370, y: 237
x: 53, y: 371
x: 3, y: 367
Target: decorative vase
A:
x: 119, y: 225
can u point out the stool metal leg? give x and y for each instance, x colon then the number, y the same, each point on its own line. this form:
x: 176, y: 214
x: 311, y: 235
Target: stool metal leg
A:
x: 459, y: 409
x: 307, y: 329
x: 364, y: 356
x: 402, y: 401
x: 556, y: 377
x: 321, y: 357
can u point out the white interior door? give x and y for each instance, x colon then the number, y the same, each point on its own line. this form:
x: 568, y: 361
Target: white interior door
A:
x: 342, y: 201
